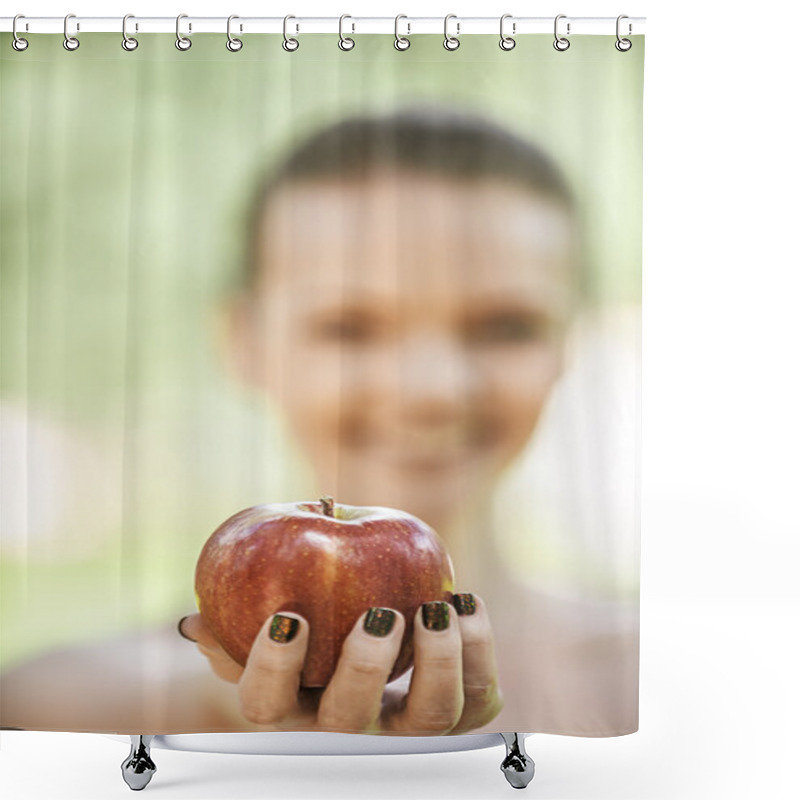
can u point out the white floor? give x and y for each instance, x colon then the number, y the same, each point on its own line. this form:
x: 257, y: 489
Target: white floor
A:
x: 719, y: 697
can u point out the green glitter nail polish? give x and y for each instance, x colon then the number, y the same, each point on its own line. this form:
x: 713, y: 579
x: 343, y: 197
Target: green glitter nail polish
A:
x: 464, y: 604
x: 283, y: 629
x: 436, y: 615
x: 379, y: 621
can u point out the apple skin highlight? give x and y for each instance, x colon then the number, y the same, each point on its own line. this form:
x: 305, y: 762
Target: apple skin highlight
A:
x: 327, y: 562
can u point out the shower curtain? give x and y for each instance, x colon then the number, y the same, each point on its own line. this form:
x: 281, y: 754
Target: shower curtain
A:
x: 369, y: 316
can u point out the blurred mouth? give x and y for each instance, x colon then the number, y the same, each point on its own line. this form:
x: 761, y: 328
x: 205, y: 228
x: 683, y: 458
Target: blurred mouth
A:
x: 432, y: 451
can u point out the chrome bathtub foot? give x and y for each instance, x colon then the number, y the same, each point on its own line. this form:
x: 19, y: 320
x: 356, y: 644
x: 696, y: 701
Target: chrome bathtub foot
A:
x: 138, y: 768
x: 517, y: 766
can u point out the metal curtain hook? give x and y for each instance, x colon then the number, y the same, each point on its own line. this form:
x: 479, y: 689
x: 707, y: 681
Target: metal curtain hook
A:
x: 289, y: 45
x: 506, y: 42
x: 400, y: 42
x: 18, y: 43
x: 345, y: 42
x: 561, y: 44
x: 233, y: 44
x: 451, y: 42
x: 181, y: 42
x: 128, y: 42
x: 623, y: 45
x: 70, y: 42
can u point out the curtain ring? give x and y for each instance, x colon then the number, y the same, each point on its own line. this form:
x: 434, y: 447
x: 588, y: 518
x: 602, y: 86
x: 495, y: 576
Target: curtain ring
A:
x: 18, y: 43
x: 623, y: 45
x: 128, y: 42
x: 345, y: 42
x: 289, y: 45
x: 561, y: 44
x: 70, y: 42
x: 233, y: 44
x: 181, y: 42
x: 507, y: 42
x: 400, y: 42
x: 451, y: 42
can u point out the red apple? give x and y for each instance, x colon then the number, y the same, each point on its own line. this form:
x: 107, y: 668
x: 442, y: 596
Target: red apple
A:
x: 329, y: 563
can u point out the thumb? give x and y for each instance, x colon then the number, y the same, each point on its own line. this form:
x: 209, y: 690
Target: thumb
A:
x: 195, y: 629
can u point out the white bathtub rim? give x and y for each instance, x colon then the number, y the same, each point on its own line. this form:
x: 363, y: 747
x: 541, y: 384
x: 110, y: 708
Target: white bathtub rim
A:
x: 318, y: 743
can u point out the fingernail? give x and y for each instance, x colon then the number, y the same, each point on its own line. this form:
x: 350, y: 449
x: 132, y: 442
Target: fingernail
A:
x: 180, y: 622
x: 283, y: 629
x: 436, y: 615
x: 379, y: 621
x: 464, y: 604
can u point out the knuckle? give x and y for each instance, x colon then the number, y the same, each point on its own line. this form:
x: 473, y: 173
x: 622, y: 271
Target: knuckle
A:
x: 336, y: 719
x: 481, y: 712
x: 368, y: 669
x: 449, y: 663
x: 340, y: 712
x: 477, y: 636
x: 442, y: 718
x: 481, y: 692
x: 264, y: 665
x: 261, y: 715
x: 443, y: 657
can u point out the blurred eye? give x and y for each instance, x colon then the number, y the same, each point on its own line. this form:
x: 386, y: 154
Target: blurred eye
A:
x: 349, y: 329
x: 513, y: 327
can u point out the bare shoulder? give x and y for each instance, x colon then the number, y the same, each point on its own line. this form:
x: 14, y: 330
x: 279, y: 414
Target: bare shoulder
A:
x: 147, y: 680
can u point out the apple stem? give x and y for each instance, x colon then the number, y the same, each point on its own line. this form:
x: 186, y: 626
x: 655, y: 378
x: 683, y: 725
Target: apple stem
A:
x: 327, y: 505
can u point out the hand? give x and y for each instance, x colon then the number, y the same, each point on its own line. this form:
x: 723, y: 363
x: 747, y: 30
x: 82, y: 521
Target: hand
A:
x: 453, y: 686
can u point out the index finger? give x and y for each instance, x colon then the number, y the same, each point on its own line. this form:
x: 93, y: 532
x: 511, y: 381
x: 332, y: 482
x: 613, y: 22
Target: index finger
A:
x: 269, y: 688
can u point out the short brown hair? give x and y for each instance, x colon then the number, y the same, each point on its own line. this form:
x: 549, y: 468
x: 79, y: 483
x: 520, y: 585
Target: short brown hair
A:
x: 428, y: 139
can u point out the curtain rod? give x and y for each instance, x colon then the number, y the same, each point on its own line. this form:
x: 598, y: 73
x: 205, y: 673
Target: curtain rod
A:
x: 406, y: 26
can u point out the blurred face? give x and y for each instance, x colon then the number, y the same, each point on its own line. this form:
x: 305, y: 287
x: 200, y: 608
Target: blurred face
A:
x: 409, y: 326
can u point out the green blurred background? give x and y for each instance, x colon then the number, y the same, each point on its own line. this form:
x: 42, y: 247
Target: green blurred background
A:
x: 125, y: 177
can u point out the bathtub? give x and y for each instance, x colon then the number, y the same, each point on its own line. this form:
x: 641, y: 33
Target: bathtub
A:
x: 138, y: 768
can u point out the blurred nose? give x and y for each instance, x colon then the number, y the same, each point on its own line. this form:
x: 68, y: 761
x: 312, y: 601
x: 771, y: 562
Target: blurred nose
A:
x: 436, y: 375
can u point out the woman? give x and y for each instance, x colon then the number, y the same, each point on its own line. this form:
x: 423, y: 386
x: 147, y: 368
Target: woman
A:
x: 409, y: 284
